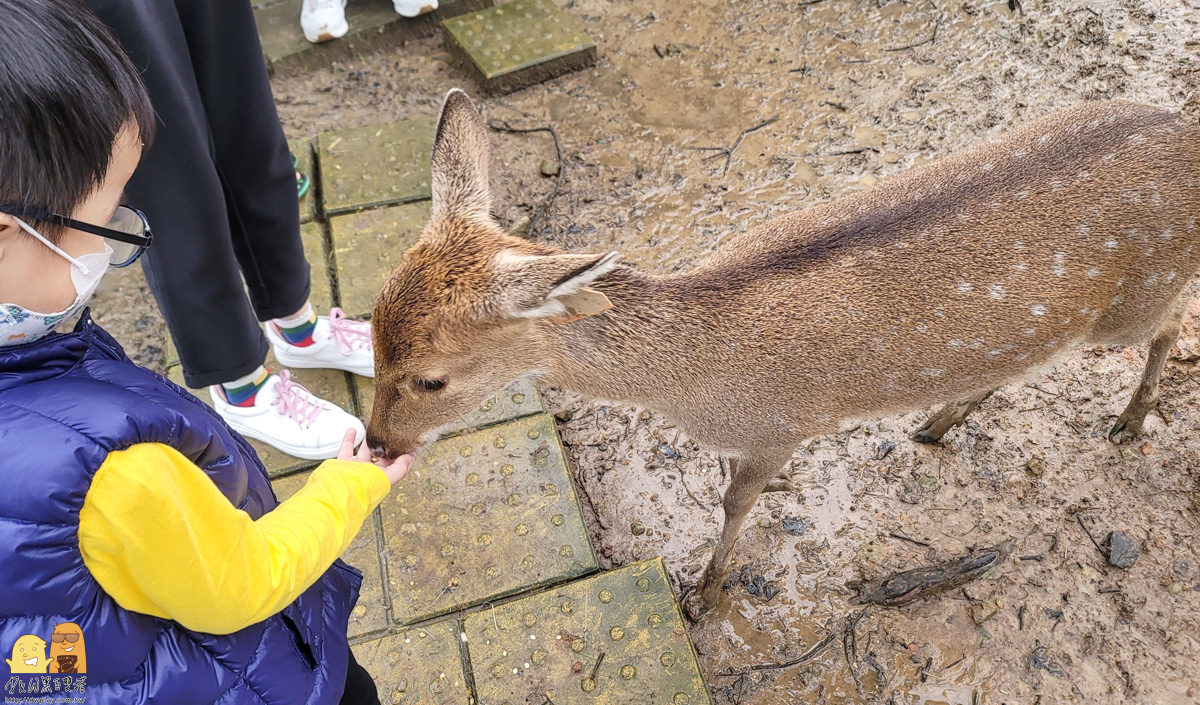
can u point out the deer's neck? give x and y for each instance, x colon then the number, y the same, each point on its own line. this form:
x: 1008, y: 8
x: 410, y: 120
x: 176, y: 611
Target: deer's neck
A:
x: 650, y: 349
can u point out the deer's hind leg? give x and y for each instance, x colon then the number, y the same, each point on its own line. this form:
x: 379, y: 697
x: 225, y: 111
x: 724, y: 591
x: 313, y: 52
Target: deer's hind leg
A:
x: 1145, y: 398
x: 751, y: 476
x: 948, y: 417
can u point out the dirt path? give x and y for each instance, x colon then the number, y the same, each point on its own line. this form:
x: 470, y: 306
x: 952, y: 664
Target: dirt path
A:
x: 853, y: 106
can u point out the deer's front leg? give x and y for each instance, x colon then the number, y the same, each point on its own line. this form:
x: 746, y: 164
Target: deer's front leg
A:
x: 752, y: 475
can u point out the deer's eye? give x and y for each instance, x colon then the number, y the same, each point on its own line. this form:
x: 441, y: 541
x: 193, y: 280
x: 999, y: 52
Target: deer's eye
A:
x: 429, y: 385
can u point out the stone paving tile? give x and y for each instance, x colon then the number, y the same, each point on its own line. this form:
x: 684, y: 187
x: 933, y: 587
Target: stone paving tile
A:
x: 375, y: 165
x: 370, y: 614
x: 421, y: 666
x: 313, y: 237
x: 548, y: 647
x: 372, y: 23
x: 518, y: 44
x: 302, y: 150
x: 331, y: 385
x: 521, y: 398
x: 367, y: 245
x: 483, y: 516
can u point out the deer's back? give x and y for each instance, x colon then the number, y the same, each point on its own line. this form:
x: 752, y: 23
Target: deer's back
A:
x: 975, y: 269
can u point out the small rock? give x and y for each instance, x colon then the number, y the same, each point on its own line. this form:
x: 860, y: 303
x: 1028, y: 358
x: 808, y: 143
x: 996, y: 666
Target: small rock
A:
x: 637, y: 528
x: 765, y: 523
x: 885, y: 447
x: 550, y: 167
x: 983, y: 611
x: 929, y: 483
x: 1123, y: 552
x: 1035, y: 465
x: 1146, y: 449
x: 1175, y: 588
x: 796, y: 525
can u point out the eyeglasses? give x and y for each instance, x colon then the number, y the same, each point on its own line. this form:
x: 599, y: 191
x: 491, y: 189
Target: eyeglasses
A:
x: 128, y: 230
x: 68, y: 638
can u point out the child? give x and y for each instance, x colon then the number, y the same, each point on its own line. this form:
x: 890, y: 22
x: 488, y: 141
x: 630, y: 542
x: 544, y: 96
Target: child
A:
x: 324, y: 20
x: 130, y: 515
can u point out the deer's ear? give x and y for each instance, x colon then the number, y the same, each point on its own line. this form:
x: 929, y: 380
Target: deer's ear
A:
x: 460, y: 161
x: 554, y: 287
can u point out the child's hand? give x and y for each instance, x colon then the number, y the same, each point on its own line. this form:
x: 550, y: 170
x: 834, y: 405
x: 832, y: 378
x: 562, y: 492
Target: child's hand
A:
x: 395, y: 469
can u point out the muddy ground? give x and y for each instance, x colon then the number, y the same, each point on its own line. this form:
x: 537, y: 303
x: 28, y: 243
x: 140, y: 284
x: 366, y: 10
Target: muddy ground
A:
x: 860, y: 91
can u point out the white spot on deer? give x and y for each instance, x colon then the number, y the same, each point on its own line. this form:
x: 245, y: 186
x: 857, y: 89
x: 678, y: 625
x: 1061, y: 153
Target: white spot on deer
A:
x: 1019, y: 245
x: 1156, y: 199
x: 922, y: 328
x: 1021, y: 195
x: 1108, y: 158
x: 955, y: 343
x: 1093, y: 273
x: 1030, y: 331
x: 994, y: 353
x: 1111, y: 243
x: 1166, y: 235
x: 1083, y: 174
x: 1020, y: 266
x: 1055, y: 185
x: 1059, y: 267
x: 1120, y: 282
x: 1191, y: 224
x: 932, y: 371
x: 1093, y: 123
x: 1043, y: 139
x: 963, y: 287
x: 975, y: 344
x: 1037, y: 310
x: 1131, y: 195
x: 1084, y: 229
x: 994, y: 205
x: 996, y: 291
x: 1136, y: 137
x: 1020, y: 153
x: 988, y: 167
x: 1116, y: 300
x: 1170, y: 277
x: 1022, y: 357
x: 939, y: 312
x: 1188, y: 250
x: 1150, y: 281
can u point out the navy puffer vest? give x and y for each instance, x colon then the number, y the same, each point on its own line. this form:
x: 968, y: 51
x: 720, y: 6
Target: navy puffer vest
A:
x: 67, y: 401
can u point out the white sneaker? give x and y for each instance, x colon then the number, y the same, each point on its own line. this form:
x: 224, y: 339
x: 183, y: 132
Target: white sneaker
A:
x: 291, y: 418
x: 323, y: 20
x: 338, y: 344
x: 413, y: 8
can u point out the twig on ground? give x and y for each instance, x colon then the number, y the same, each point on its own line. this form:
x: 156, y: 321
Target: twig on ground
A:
x: 727, y: 152
x: 929, y: 40
x: 501, y: 126
x: 902, y: 537
x: 860, y: 150
x: 807, y: 656
x: 1079, y: 518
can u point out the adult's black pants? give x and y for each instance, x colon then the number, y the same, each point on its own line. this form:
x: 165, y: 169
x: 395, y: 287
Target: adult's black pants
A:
x: 217, y: 183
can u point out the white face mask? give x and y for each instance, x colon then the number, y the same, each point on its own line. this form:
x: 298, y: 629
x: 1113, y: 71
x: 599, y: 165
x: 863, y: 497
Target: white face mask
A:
x: 20, y: 325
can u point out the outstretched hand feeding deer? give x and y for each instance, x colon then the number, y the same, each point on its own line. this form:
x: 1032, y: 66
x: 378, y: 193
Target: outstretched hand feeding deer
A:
x: 939, y: 285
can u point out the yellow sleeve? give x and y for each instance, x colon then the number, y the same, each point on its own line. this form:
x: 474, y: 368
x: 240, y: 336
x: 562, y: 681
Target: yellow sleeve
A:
x: 161, y: 539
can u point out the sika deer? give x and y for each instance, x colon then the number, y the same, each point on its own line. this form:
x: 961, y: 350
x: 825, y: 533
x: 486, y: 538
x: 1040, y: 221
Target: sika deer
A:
x: 936, y: 286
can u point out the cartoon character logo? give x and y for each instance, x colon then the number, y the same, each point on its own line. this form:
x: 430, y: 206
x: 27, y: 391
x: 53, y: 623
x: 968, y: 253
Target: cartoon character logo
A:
x: 67, y: 652
x: 29, y: 655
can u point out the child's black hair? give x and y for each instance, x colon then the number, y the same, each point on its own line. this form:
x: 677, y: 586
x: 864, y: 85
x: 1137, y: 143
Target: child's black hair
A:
x: 67, y: 89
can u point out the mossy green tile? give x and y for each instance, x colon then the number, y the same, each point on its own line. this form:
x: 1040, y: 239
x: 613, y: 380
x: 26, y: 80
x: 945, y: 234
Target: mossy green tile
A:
x: 302, y: 151
x: 483, y: 516
x: 519, y: 399
x: 550, y: 645
x: 372, y: 23
x: 367, y: 245
x: 421, y: 666
x: 370, y: 614
x: 375, y: 165
x: 518, y: 44
x: 330, y: 385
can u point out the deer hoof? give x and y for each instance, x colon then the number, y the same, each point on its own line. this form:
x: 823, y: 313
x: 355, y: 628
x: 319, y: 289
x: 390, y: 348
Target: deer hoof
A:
x: 780, y: 484
x: 1125, y: 430
x: 927, y: 435
x: 694, y: 607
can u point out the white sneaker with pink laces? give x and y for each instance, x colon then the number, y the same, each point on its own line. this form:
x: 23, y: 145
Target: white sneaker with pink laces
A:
x: 413, y: 8
x: 338, y: 344
x: 287, y: 416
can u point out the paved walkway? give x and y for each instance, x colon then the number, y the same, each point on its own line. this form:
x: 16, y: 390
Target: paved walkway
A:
x: 481, y: 584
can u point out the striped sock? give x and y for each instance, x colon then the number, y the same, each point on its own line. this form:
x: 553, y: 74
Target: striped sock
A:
x: 298, y: 330
x: 241, y: 392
